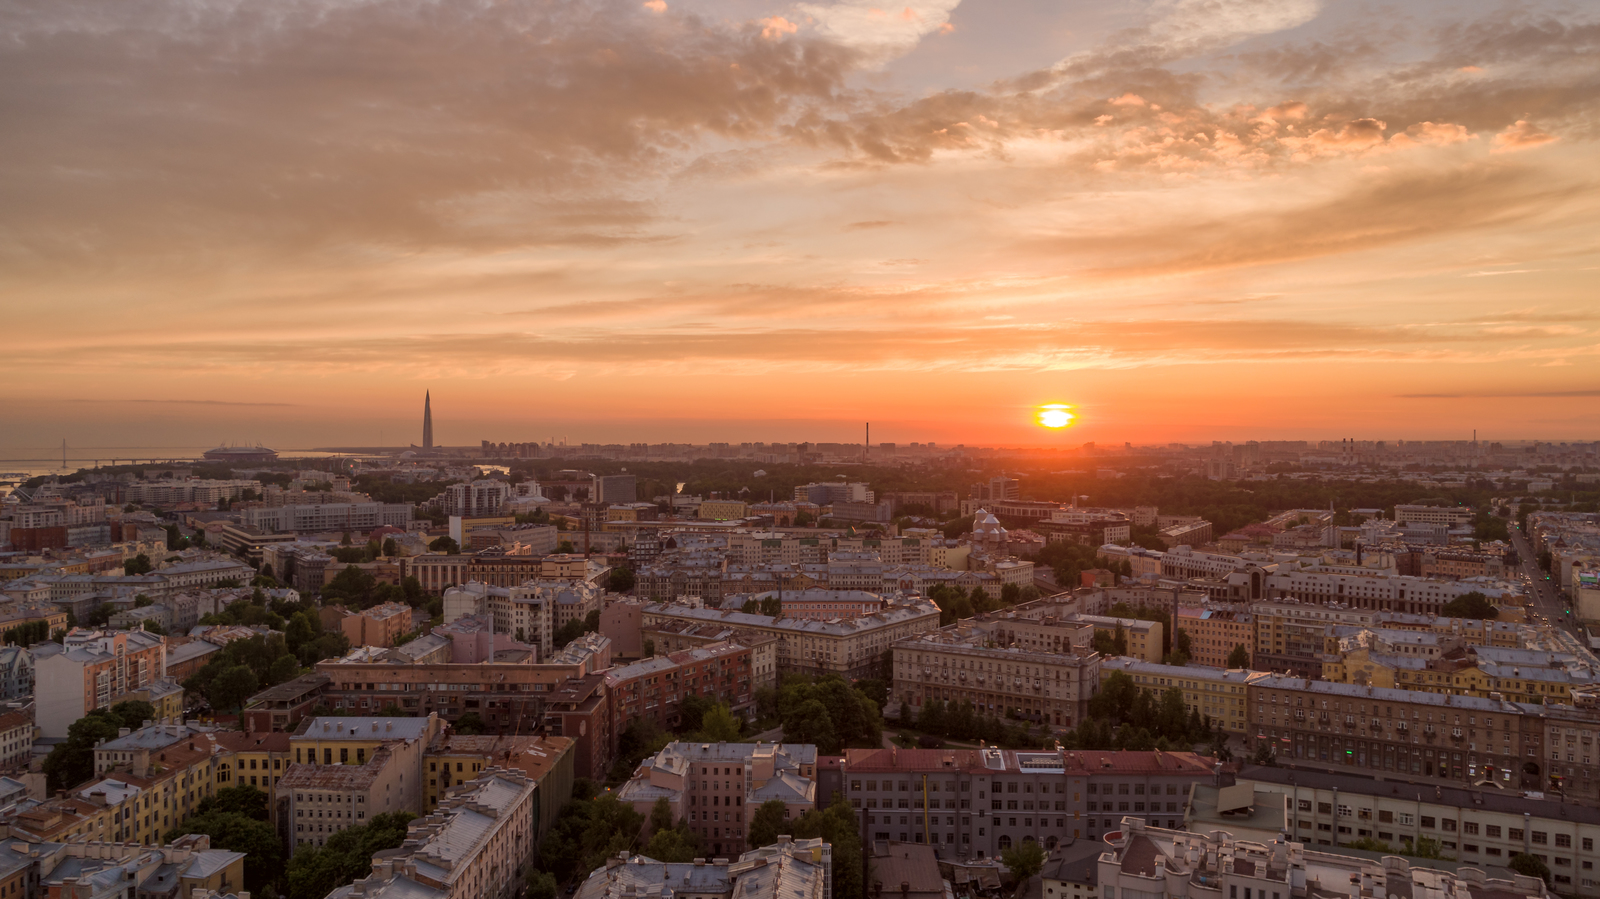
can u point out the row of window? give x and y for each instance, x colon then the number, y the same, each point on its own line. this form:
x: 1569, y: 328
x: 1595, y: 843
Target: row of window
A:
x: 949, y: 786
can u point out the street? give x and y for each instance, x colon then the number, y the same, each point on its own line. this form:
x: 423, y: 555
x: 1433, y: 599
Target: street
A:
x: 1545, y: 599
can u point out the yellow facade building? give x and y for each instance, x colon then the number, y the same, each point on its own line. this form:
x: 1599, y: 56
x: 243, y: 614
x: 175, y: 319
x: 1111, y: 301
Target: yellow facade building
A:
x: 1220, y: 693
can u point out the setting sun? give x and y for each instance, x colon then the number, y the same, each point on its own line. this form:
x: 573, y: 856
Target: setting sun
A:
x: 1055, y: 415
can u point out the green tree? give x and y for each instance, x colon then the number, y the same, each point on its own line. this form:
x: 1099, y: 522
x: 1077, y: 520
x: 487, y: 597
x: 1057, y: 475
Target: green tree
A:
x: 232, y: 687
x: 568, y: 632
x: 445, y: 545
x: 768, y: 823
x: 719, y: 725
x: 812, y: 724
x: 1523, y: 863
x: 837, y: 825
x: 242, y: 799
x: 1025, y: 859
x: 1469, y: 605
x: 71, y: 762
x: 673, y: 845
x: 139, y: 564
x: 390, y: 548
x: 1239, y: 658
x: 470, y: 724
x: 661, y: 816
x: 621, y: 580
x: 237, y: 832
x: 692, y: 711
x: 540, y: 884
x: 649, y: 649
x: 316, y: 871
x: 285, y: 668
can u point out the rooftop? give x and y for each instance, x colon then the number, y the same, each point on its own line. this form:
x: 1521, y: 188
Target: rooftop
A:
x: 366, y: 729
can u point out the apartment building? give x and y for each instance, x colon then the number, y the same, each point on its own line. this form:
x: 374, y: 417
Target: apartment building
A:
x: 1473, y: 827
x: 835, y: 602
x: 380, y: 625
x: 101, y: 869
x: 533, y: 611
x: 482, y: 497
x: 1449, y: 516
x: 788, y: 869
x: 961, y: 666
x: 506, y: 692
x: 1217, y: 693
x: 140, y: 801
x: 1391, y: 592
x: 978, y: 803
x: 16, y: 739
x: 1146, y: 639
x: 90, y: 671
x: 346, y: 770
x: 717, y: 787
x: 307, y: 518
x: 723, y: 509
x: 454, y: 759
x: 1465, y: 739
x: 1151, y: 861
x: 581, y: 709
x: 1292, y: 635
x: 1215, y: 631
x: 655, y: 689
x: 16, y: 673
x: 671, y: 637
x: 853, y: 648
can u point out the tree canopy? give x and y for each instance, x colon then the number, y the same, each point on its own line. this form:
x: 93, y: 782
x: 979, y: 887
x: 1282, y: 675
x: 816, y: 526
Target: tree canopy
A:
x: 316, y: 871
x: 236, y: 820
x: 1469, y: 605
x: 71, y: 762
x: 1025, y: 859
x: 829, y: 712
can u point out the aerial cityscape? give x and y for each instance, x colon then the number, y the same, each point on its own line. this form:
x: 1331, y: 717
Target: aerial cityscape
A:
x: 799, y: 449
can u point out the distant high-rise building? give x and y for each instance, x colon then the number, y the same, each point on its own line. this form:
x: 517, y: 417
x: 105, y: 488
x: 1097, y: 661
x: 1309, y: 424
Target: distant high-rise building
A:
x: 616, y: 488
x: 427, y: 420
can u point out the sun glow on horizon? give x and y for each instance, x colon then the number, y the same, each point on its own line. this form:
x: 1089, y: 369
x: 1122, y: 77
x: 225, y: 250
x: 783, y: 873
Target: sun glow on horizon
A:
x: 1055, y: 416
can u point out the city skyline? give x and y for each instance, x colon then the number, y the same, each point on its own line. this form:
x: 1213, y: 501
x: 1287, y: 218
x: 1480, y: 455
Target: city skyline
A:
x: 754, y: 219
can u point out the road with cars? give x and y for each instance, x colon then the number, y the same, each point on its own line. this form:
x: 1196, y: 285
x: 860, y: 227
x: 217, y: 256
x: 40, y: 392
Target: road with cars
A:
x: 1547, y: 604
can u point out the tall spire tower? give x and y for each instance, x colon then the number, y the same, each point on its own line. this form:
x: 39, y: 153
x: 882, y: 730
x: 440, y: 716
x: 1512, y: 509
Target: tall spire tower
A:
x: 427, y: 420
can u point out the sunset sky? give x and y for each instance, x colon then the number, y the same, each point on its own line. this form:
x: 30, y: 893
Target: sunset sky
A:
x: 696, y: 220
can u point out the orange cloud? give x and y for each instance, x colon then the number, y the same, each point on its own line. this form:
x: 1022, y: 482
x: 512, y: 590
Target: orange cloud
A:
x: 1522, y: 135
x: 776, y: 27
